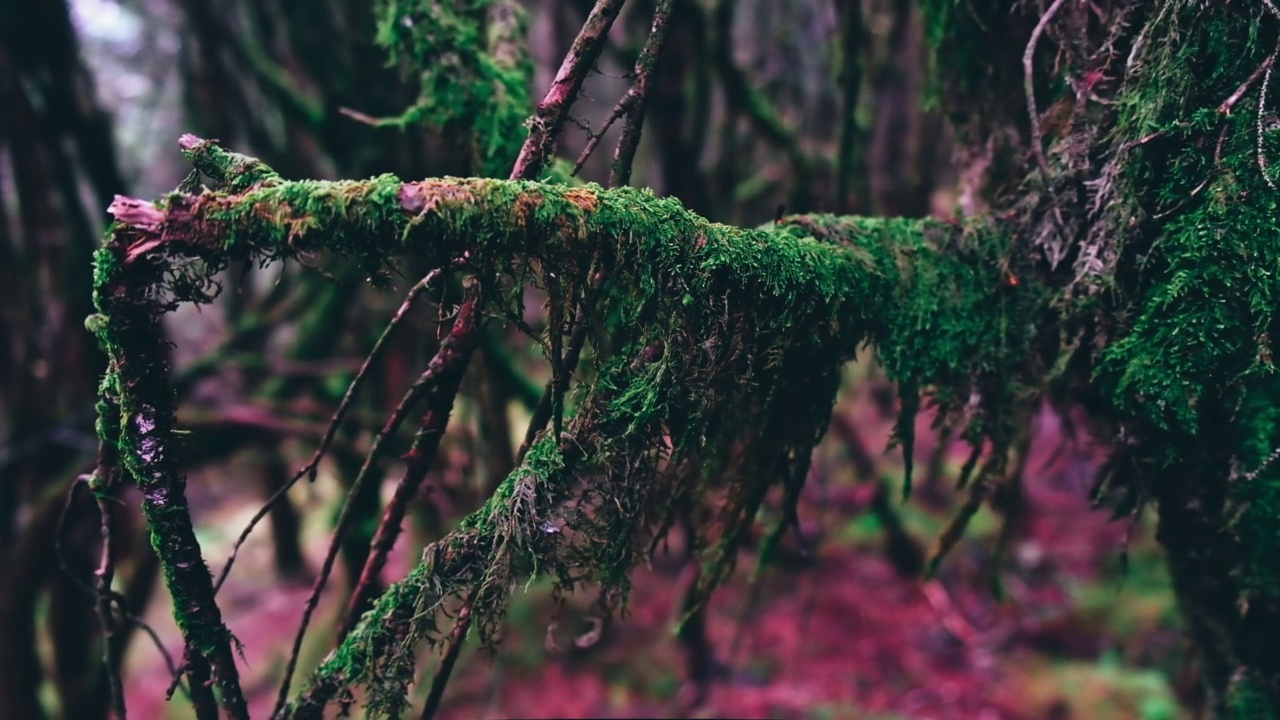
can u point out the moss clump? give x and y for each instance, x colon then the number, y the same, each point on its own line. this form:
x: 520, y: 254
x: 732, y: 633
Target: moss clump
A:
x: 472, y: 67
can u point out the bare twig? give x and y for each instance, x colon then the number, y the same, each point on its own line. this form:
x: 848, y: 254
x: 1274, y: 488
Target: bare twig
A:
x: 309, y: 470
x: 549, y: 119
x: 624, y: 155
x: 105, y: 571
x: 1233, y: 98
x: 103, y: 575
x: 108, y: 602
x: 568, y: 363
x: 420, y: 388
x: 446, y: 370
x: 619, y: 110
x: 1262, y: 108
x: 1028, y: 69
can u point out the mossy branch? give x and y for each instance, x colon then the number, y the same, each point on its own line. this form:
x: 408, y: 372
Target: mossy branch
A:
x: 129, y: 328
x: 726, y: 333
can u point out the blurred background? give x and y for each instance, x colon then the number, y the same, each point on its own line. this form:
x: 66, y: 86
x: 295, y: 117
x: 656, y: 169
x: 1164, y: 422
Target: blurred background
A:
x: 1047, y: 609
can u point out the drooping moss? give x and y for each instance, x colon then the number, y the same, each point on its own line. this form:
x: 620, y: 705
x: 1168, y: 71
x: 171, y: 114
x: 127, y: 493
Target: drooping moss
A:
x: 1143, y: 254
x: 473, y: 69
x: 729, y: 341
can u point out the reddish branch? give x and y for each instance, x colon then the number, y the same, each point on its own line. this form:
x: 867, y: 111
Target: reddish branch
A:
x: 455, y: 358
x: 632, y: 105
x: 446, y: 371
x: 548, y: 121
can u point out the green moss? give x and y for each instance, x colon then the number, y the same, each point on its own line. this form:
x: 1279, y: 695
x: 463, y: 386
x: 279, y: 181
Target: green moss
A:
x: 1248, y: 698
x: 727, y: 336
x: 473, y: 70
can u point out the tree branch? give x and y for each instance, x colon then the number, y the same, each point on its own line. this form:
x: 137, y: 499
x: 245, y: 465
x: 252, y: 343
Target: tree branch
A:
x: 794, y: 299
x: 546, y: 123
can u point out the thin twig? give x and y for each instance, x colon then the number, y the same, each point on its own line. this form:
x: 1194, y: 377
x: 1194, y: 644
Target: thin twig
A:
x: 545, y: 126
x: 622, y: 108
x: 1233, y: 98
x: 549, y: 119
x: 107, y: 600
x: 309, y: 470
x: 456, y: 640
x: 625, y: 153
x: 419, y: 389
x: 1028, y: 69
x: 104, y: 574
x: 568, y: 363
x: 1262, y: 108
x: 447, y: 369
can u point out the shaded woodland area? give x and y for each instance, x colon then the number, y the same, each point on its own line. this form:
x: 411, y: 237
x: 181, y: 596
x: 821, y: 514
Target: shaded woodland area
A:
x: 515, y: 437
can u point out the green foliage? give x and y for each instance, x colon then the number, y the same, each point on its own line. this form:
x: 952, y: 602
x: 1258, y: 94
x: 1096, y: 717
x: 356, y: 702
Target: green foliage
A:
x: 473, y: 70
x: 1248, y: 697
x: 1193, y: 363
x: 1203, y: 289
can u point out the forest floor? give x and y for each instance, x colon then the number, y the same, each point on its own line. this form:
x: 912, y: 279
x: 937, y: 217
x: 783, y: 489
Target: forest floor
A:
x: 830, y: 630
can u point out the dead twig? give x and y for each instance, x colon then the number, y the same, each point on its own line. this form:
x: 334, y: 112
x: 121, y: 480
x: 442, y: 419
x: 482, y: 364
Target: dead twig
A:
x: 446, y: 370
x: 1028, y: 69
x: 425, y: 383
x: 309, y: 470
